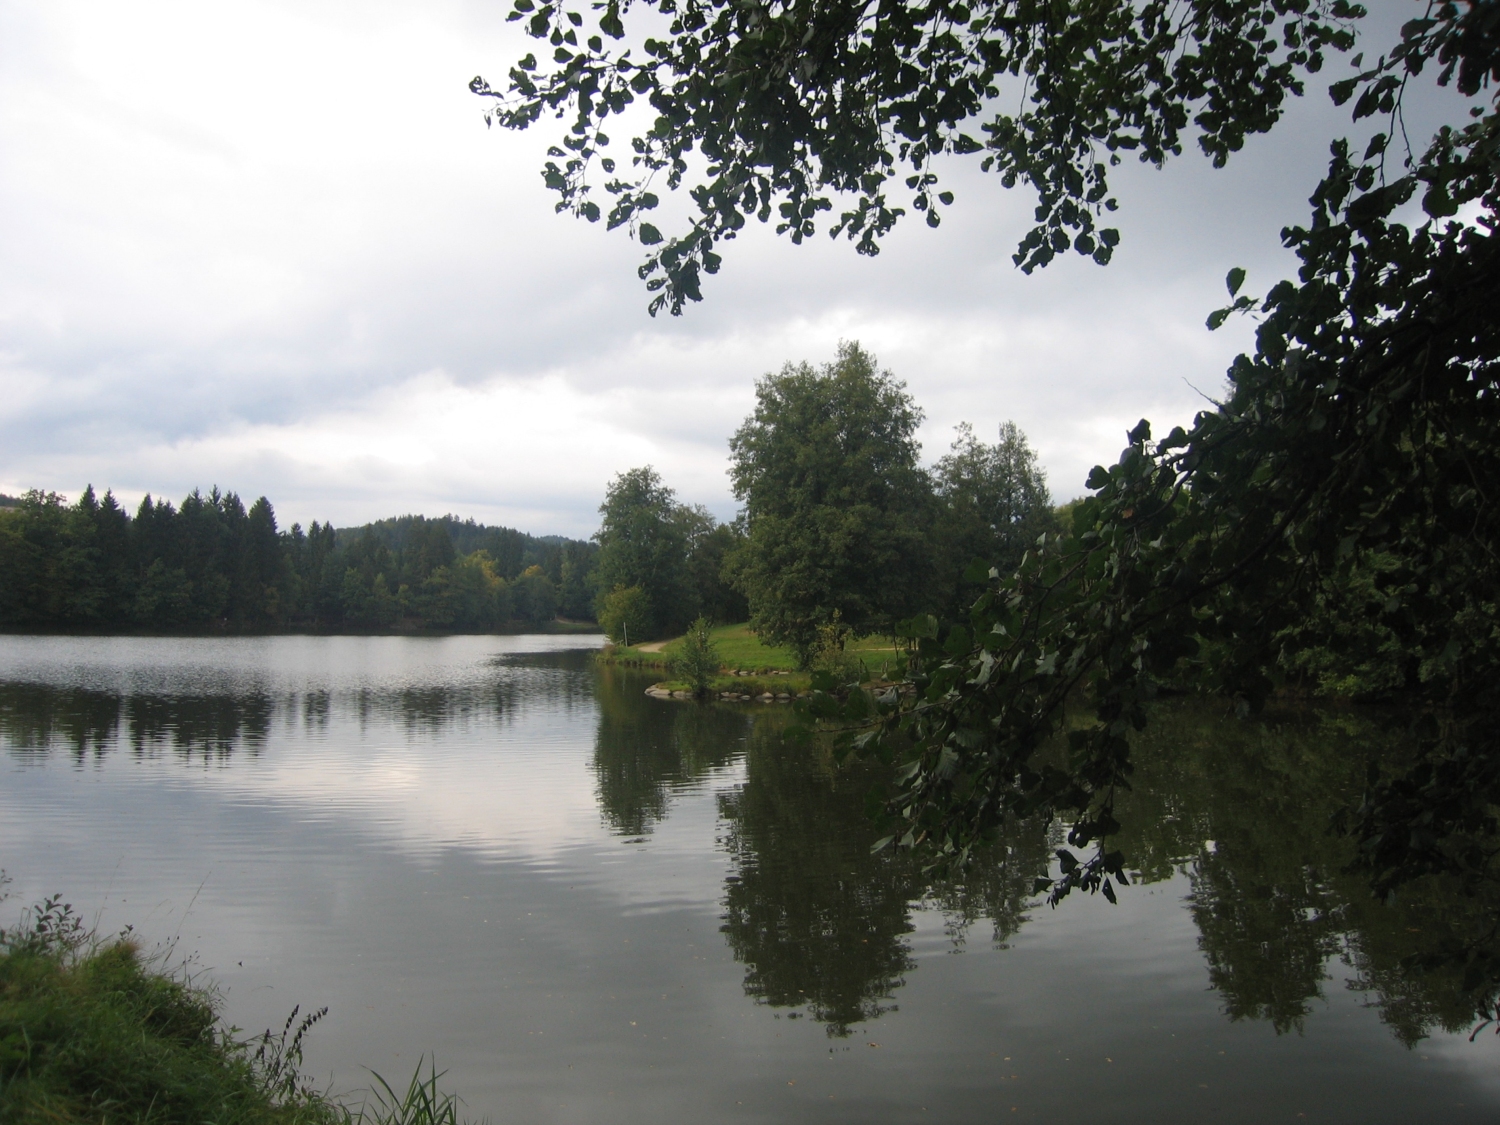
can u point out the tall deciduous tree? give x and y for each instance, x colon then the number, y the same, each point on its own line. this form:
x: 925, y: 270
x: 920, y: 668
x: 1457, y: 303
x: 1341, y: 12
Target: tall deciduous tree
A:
x: 712, y: 563
x: 644, y: 540
x: 993, y: 504
x: 836, y: 506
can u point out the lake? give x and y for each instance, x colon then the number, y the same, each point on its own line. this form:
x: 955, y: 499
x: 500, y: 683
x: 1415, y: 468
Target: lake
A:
x: 593, y: 906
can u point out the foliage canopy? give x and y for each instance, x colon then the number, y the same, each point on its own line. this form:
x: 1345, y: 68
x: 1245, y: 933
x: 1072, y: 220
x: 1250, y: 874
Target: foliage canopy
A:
x: 836, y: 506
x: 212, y: 565
x: 643, y: 543
x: 1356, y: 441
x: 992, y: 504
x: 778, y: 109
x: 672, y: 554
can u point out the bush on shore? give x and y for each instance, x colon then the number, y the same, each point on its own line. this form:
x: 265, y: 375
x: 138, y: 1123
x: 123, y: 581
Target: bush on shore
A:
x: 697, y: 660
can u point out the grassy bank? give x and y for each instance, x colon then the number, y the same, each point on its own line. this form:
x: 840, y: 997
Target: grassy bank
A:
x: 750, y: 666
x: 738, y: 648
x: 91, y: 1032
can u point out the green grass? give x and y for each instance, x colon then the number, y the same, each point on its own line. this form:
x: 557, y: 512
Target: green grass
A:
x: 741, y: 649
x: 90, y: 1032
x: 876, y: 652
x: 773, y: 669
x: 737, y: 646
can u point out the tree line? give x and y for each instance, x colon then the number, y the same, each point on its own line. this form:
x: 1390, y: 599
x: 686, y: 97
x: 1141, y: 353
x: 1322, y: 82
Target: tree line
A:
x: 842, y: 529
x: 210, y: 564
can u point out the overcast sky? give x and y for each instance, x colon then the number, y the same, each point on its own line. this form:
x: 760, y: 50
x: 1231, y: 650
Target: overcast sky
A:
x: 272, y: 246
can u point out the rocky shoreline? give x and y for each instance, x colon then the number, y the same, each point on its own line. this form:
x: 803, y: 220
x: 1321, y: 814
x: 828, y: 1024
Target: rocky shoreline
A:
x: 729, y: 695
x: 658, y: 691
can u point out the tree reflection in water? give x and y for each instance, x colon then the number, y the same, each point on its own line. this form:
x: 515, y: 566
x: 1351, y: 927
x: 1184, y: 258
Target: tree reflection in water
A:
x: 39, y: 719
x: 1240, y: 809
x: 817, y: 919
x: 645, y: 750
x: 1245, y: 809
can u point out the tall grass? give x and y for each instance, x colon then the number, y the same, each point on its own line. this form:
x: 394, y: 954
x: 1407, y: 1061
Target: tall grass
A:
x: 421, y: 1103
x: 92, y: 1033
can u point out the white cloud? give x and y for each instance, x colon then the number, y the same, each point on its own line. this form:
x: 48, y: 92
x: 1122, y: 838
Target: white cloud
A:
x: 432, y: 444
x: 271, y: 245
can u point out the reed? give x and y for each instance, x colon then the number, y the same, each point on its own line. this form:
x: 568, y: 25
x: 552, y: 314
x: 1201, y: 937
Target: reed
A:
x: 421, y: 1103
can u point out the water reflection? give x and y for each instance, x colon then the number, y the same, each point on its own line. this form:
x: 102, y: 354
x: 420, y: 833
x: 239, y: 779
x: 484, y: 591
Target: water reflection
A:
x: 1245, y: 810
x: 820, y: 922
x: 36, y: 720
x: 1242, y: 809
x: 215, y: 716
x: 645, y: 750
x: 818, y: 925
x: 817, y: 920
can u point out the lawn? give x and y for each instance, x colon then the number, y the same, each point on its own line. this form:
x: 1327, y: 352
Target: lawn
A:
x: 742, y: 651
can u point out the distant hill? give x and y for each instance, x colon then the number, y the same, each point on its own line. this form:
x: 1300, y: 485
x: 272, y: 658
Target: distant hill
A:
x: 513, y: 551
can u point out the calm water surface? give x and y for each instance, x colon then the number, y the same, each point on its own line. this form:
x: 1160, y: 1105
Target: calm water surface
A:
x: 598, y: 907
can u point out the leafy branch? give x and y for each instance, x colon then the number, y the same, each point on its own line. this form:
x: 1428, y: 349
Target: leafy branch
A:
x: 786, y: 106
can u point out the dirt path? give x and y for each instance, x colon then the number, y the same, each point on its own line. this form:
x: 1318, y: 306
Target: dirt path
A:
x: 653, y: 646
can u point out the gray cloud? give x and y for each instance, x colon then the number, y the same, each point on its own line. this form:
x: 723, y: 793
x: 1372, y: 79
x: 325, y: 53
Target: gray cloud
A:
x: 268, y: 244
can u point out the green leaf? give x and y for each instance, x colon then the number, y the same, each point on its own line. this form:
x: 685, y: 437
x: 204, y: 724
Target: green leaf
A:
x: 649, y: 235
x: 924, y: 625
x: 977, y: 571
x: 1234, y: 279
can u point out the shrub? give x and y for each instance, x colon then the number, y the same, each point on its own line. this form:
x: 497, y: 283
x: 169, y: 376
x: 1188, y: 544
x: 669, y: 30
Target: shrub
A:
x: 623, y: 611
x: 698, y: 661
x: 830, y: 654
